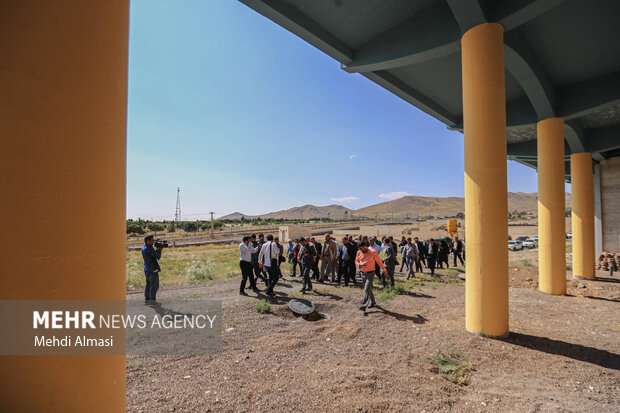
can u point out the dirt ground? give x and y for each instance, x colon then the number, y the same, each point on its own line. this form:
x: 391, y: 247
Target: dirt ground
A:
x: 563, y: 353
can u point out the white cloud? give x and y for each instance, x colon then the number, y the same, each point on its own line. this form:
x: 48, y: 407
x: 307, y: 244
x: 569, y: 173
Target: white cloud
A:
x: 352, y: 156
x: 394, y: 195
x: 345, y: 199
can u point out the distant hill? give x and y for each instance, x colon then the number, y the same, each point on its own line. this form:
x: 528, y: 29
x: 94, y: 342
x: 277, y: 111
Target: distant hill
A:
x: 305, y: 212
x: 399, y: 208
x: 450, y: 206
x: 414, y: 205
x: 521, y: 201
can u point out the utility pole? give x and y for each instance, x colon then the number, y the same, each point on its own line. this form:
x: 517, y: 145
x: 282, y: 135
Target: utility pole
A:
x: 177, y: 214
x: 212, y: 223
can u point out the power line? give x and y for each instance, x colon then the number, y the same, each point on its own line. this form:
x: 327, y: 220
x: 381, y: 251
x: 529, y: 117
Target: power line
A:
x: 177, y: 214
x: 212, y: 223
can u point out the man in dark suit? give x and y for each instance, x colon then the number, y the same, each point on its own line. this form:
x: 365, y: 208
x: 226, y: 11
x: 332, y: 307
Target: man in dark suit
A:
x: 444, y: 252
x: 256, y: 245
x: 307, y: 256
x: 422, y: 251
x: 432, y: 251
x: 403, y: 243
x: 421, y: 255
x: 458, y: 250
x: 394, y: 245
x: 315, y: 265
x: 390, y: 263
x: 346, y: 260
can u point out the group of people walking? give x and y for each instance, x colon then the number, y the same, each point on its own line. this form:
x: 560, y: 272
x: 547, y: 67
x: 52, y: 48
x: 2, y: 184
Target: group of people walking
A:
x: 261, y: 259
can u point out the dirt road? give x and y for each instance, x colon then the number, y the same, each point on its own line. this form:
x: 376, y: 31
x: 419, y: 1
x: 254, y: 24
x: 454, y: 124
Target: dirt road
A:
x: 563, y: 354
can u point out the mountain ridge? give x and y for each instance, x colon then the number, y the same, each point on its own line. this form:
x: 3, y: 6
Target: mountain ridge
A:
x: 407, y: 206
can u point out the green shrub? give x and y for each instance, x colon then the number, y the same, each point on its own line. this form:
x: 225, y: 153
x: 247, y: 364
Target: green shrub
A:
x: 453, y: 365
x: 171, y: 227
x: 200, y: 271
x: 388, y: 293
x: 263, y: 306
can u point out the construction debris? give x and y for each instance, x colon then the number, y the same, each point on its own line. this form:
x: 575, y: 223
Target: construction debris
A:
x: 607, y: 260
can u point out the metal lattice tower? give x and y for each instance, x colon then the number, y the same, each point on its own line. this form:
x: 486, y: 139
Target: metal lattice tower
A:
x: 177, y: 214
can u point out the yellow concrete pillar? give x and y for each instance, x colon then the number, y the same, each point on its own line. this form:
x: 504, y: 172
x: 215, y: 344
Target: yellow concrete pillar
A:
x: 63, y: 77
x: 486, y: 199
x: 551, y: 207
x: 582, y: 214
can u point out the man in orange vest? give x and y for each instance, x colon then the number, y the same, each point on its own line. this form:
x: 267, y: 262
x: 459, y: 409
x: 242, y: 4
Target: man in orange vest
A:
x: 366, y: 259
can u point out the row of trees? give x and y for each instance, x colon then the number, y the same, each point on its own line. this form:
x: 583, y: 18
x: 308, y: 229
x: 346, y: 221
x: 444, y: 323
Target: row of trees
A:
x: 281, y: 221
x: 141, y: 227
x: 520, y: 214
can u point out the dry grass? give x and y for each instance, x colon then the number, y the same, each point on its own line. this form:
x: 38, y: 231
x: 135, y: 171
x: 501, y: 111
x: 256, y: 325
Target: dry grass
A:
x: 183, y: 266
x: 525, y: 263
x: 190, y: 265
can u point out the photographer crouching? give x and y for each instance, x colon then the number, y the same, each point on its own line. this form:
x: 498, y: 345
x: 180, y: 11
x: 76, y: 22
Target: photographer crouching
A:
x: 151, y: 253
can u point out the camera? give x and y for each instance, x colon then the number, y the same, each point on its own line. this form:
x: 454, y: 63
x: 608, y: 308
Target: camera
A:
x: 160, y: 243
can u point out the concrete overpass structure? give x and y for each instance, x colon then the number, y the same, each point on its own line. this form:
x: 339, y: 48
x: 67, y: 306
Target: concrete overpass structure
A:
x: 534, y: 80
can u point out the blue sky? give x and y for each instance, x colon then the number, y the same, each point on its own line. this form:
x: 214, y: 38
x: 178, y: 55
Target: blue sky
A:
x: 244, y: 116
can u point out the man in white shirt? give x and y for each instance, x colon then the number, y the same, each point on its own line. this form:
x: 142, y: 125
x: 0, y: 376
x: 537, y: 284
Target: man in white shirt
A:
x: 375, y: 246
x: 245, y: 263
x: 268, y: 259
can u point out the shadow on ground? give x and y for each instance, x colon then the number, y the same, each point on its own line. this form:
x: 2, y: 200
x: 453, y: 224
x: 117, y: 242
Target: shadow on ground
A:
x: 605, y: 280
x: 602, y: 298
x: 417, y: 319
x: 592, y: 355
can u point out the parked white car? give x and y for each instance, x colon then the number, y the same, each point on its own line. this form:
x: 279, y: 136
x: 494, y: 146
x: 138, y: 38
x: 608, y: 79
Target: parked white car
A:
x: 515, y: 245
x: 569, y: 235
x: 530, y: 243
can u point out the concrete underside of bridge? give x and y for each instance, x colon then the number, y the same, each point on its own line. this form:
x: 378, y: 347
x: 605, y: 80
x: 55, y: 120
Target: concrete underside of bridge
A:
x: 559, y: 110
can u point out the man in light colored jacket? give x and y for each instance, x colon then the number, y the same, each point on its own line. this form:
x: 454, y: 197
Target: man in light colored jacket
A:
x: 411, y: 254
x: 329, y: 257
